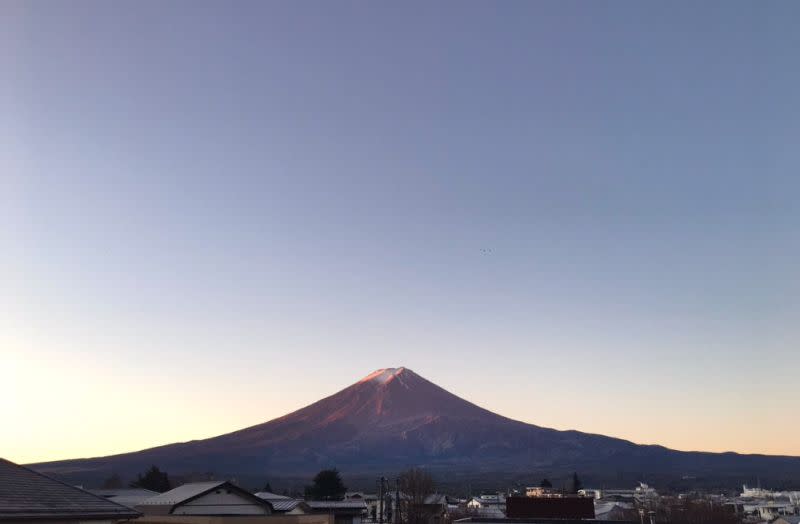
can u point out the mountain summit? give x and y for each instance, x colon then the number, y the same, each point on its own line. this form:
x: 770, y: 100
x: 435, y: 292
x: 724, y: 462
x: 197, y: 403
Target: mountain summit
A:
x: 382, y: 376
x: 394, y: 418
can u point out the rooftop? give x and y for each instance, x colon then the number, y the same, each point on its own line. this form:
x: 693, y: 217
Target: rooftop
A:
x: 337, y: 504
x: 27, y: 494
x: 267, y: 495
x: 182, y: 493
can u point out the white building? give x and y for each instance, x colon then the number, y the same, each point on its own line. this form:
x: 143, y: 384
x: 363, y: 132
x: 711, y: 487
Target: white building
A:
x: 217, y: 498
x: 488, y: 506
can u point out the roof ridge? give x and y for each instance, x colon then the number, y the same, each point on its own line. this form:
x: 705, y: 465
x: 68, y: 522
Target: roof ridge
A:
x: 48, y: 477
x: 74, y: 499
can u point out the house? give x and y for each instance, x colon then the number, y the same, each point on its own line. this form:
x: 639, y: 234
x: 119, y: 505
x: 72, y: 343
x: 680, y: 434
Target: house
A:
x: 126, y: 496
x: 26, y: 495
x: 371, y: 500
x: 434, y: 509
x: 485, y: 501
x: 343, y: 511
x: 487, y: 506
x: 612, y: 510
x: 215, y: 498
x: 283, y: 505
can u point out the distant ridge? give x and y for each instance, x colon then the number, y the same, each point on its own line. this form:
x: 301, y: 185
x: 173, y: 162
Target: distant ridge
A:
x: 394, y: 418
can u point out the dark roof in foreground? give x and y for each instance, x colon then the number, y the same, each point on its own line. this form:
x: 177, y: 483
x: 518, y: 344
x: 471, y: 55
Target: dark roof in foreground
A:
x: 26, y: 494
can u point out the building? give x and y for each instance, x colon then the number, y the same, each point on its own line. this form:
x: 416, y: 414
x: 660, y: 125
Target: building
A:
x: 487, y: 501
x: 216, y: 498
x: 483, y: 520
x: 235, y: 519
x: 538, y: 491
x: 370, y: 499
x: 343, y: 511
x: 612, y: 510
x: 26, y: 496
x: 283, y: 505
x: 644, y: 493
x: 591, y: 493
x: 487, y: 506
x: 550, y: 507
x: 620, y: 495
x: 360, y: 495
x: 126, y: 496
x: 787, y: 520
x: 434, y: 509
x: 765, y: 504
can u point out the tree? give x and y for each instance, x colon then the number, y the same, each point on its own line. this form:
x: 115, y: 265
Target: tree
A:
x: 154, y: 479
x: 268, y: 488
x: 545, y: 484
x: 327, y: 485
x: 575, y: 484
x: 416, y: 484
x: 112, y: 482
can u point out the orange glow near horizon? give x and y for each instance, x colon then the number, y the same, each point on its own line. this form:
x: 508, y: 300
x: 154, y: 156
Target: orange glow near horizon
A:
x: 74, y: 409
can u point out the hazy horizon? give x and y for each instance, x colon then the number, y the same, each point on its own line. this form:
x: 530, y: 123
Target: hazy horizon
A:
x: 362, y: 379
x: 239, y: 209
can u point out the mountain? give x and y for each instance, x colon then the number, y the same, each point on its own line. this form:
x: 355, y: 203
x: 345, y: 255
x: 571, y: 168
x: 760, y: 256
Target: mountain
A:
x: 394, y: 418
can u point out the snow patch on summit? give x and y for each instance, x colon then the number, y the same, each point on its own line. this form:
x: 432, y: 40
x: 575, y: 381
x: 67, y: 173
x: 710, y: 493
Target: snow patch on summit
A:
x: 382, y: 376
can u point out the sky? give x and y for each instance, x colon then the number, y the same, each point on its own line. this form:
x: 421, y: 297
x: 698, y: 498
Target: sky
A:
x: 581, y: 215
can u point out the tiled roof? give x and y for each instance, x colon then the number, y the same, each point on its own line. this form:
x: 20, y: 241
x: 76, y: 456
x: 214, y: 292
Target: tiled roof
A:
x: 26, y: 494
x: 282, y: 505
x: 279, y: 503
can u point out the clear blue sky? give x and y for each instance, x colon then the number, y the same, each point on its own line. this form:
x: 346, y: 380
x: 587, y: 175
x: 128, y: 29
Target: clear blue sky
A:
x: 246, y: 206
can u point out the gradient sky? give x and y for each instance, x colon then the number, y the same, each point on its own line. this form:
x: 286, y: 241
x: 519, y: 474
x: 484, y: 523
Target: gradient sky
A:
x: 212, y: 214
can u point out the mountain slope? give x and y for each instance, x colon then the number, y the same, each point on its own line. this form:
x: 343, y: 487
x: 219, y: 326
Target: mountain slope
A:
x: 394, y: 418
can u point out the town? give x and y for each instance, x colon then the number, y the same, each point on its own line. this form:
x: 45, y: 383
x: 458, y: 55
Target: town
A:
x: 411, y: 497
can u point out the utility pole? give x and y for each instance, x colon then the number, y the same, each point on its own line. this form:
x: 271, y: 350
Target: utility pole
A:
x: 397, y: 501
x: 380, y: 500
